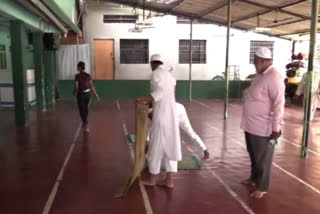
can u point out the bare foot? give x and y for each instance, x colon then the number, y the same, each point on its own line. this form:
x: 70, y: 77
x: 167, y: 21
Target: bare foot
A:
x: 148, y: 183
x: 205, y: 155
x: 258, y: 194
x: 166, y: 185
x: 85, y: 129
x: 248, y: 182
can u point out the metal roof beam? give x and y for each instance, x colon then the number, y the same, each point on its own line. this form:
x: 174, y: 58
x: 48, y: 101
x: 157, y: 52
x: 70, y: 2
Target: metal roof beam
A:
x: 176, y: 4
x: 214, y: 8
x: 14, y: 11
x: 251, y: 16
x: 297, y: 32
x: 49, y: 14
x: 270, y: 9
x: 176, y: 13
x: 58, y: 12
x: 286, y: 23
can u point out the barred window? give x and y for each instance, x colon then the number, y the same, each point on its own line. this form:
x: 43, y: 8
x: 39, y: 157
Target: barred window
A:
x: 134, y: 51
x: 254, y: 45
x: 120, y: 18
x: 3, y: 57
x: 198, y: 50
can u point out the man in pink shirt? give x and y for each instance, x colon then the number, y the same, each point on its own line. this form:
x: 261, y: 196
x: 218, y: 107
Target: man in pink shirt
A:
x: 262, y: 119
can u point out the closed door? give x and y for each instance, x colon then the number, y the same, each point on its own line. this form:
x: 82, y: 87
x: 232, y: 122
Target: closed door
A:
x: 103, y: 59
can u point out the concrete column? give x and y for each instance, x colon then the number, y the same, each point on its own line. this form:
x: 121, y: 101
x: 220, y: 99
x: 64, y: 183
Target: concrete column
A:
x: 18, y: 53
x: 311, y: 68
x: 49, y: 65
x: 39, y: 70
x: 1, y: 130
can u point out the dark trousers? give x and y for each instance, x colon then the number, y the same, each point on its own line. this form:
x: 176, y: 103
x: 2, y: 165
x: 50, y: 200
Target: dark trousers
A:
x: 83, y: 102
x: 290, y: 90
x: 261, y: 154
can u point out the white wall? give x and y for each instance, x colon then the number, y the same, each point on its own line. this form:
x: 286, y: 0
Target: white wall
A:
x: 6, y: 83
x: 5, y: 40
x: 6, y: 88
x: 164, y: 39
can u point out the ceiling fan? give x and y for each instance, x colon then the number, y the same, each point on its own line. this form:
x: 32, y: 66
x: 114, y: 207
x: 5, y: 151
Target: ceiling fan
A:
x: 259, y: 29
x: 276, y: 20
x: 138, y: 28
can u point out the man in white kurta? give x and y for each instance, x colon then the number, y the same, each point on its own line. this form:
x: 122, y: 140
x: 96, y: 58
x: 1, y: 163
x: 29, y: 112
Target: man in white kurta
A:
x: 315, y: 97
x: 164, y: 131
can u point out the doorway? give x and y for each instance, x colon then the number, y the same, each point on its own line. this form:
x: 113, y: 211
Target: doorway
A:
x: 104, y: 59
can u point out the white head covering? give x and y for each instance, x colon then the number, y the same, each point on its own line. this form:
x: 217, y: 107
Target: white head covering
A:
x: 264, y: 53
x: 156, y: 57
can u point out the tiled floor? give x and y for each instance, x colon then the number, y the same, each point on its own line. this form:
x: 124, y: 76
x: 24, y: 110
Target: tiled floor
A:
x: 96, y: 165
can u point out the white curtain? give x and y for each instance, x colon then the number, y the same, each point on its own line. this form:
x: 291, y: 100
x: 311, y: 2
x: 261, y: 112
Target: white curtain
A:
x: 67, y: 60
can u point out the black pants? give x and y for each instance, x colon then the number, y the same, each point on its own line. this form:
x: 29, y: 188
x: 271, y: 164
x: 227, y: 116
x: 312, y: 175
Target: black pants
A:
x: 83, y: 102
x: 290, y: 90
x: 261, y: 154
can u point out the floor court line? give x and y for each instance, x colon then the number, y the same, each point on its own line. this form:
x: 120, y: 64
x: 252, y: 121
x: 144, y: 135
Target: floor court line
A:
x: 274, y: 164
x: 55, y: 188
x: 226, y: 186
x: 143, y: 191
x: 118, y: 105
x: 281, y: 139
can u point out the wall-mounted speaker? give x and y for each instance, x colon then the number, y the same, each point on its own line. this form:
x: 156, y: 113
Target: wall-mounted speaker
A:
x: 30, y: 38
x: 51, y: 41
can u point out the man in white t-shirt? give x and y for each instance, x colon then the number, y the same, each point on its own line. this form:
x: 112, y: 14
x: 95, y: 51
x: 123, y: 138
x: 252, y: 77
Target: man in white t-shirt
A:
x: 185, y: 125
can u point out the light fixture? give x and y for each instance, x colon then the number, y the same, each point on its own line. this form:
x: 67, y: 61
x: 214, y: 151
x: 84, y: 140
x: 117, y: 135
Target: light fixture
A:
x: 261, y: 29
x: 170, y: 1
x: 162, y: 1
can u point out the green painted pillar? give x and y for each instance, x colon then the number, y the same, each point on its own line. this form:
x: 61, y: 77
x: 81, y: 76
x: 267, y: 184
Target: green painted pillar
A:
x: 49, y: 60
x: 18, y: 53
x: 311, y: 68
x: 1, y: 130
x: 226, y: 74
x: 190, y: 62
x: 56, y: 81
x: 39, y: 70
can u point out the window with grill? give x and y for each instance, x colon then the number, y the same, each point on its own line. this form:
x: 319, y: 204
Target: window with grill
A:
x: 3, y: 57
x: 198, y: 50
x: 120, y: 18
x: 254, y: 45
x: 134, y: 51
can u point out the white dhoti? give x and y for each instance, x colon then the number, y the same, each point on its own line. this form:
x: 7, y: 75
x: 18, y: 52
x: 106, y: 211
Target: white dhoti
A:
x: 157, y: 156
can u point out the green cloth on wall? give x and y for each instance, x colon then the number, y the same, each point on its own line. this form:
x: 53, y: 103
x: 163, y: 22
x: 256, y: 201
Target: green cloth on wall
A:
x: 131, y: 89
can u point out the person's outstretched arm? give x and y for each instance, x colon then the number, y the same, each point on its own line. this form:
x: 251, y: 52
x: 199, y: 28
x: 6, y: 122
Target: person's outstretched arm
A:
x: 76, y: 88
x: 94, y: 90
